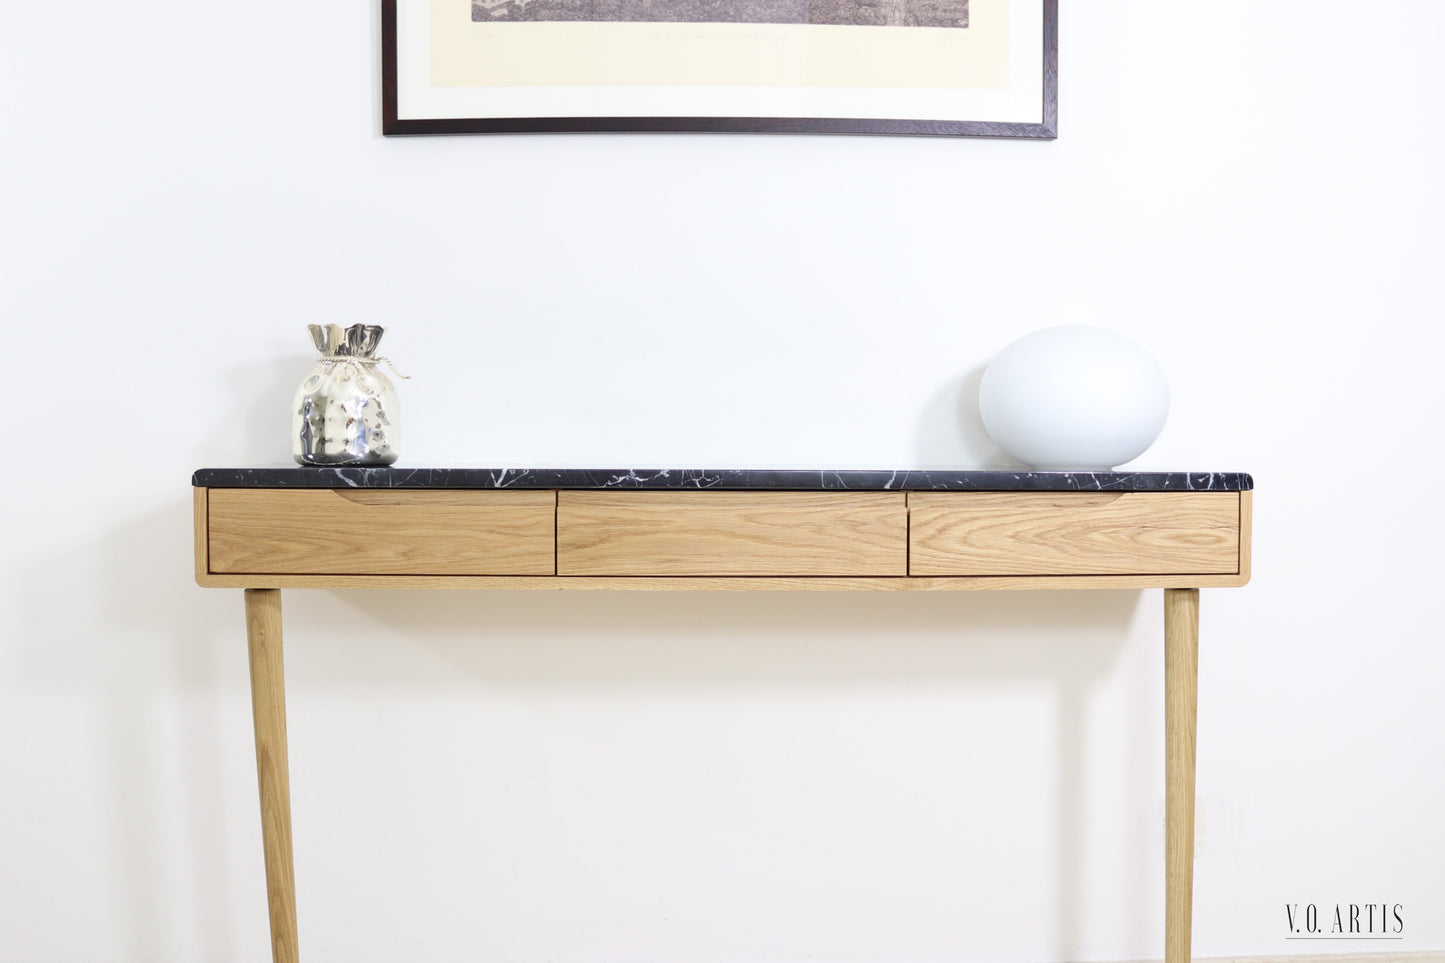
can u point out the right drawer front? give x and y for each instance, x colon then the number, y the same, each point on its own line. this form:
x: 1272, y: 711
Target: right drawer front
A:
x: 1073, y: 533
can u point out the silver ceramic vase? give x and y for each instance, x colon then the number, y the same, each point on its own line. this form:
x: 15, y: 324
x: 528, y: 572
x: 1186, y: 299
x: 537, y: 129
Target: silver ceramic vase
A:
x: 347, y: 411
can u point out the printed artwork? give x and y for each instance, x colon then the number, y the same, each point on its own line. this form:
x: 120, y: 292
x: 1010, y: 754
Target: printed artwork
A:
x: 970, y: 68
x: 858, y: 13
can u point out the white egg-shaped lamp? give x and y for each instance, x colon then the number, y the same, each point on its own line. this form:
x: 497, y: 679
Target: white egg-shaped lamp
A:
x: 1074, y: 397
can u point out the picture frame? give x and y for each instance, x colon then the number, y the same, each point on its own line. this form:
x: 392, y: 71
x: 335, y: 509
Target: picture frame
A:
x: 956, y: 68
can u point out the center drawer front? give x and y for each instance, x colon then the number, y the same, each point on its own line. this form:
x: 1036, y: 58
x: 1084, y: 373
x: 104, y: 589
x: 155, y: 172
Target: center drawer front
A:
x: 377, y: 532
x: 1074, y: 533
x: 731, y: 533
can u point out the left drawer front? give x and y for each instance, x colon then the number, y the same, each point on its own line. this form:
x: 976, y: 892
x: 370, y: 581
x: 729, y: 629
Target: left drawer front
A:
x: 374, y: 532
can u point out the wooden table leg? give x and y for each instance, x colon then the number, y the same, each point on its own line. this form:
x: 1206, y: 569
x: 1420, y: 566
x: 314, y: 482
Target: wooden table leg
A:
x: 1181, y: 698
x: 268, y: 709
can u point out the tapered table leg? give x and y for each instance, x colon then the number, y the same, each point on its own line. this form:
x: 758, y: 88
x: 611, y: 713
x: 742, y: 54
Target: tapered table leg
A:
x: 268, y: 709
x: 1181, y: 698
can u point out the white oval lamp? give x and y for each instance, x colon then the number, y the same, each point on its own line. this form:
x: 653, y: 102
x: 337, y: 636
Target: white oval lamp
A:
x: 1074, y: 397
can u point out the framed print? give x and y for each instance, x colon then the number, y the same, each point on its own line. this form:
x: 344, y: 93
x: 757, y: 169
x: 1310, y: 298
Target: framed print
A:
x: 939, y: 67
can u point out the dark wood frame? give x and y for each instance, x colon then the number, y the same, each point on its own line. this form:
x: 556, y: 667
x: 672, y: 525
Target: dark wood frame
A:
x: 1048, y: 130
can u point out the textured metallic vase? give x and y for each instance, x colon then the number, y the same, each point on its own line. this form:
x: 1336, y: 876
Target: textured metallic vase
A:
x: 347, y: 411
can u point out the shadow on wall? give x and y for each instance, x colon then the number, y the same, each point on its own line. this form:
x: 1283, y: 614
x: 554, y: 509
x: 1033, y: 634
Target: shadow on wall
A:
x: 262, y: 394
x: 595, y: 643
x: 170, y: 636
x: 164, y: 637
x: 137, y: 654
x: 117, y: 625
x: 950, y: 432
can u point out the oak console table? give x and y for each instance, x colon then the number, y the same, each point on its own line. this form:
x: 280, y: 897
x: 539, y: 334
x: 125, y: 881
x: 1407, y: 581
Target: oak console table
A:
x: 266, y: 529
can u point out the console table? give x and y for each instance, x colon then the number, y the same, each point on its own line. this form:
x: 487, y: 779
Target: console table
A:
x: 266, y: 529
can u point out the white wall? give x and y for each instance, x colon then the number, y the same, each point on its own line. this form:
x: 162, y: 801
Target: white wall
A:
x: 1250, y: 189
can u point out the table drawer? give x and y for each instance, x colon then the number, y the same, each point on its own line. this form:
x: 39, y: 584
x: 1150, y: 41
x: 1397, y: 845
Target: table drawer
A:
x: 1074, y: 533
x: 381, y: 532
x: 732, y: 533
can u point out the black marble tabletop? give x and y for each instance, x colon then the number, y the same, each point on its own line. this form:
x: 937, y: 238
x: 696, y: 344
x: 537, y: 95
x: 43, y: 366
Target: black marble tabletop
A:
x: 725, y: 479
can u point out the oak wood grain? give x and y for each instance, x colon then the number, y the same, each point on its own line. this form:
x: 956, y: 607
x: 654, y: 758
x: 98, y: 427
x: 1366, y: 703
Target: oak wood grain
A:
x: 583, y: 583
x: 1181, y: 703
x: 1073, y: 533
x: 328, y: 531
x: 731, y: 533
x: 202, y: 526
x: 268, y: 714
x: 1246, y: 533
